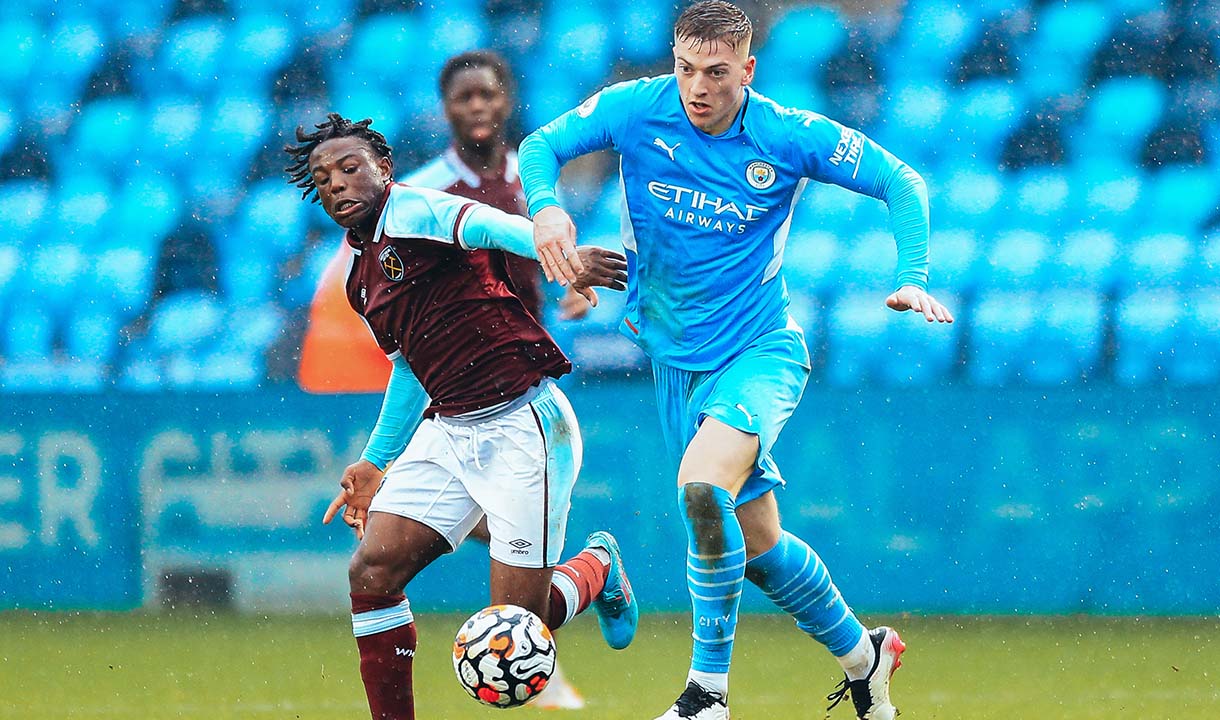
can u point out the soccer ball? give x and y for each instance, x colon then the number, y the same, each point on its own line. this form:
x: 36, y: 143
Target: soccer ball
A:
x: 503, y: 656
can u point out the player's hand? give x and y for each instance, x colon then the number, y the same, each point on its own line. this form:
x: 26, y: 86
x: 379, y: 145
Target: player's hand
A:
x: 555, y: 243
x: 909, y: 297
x: 359, y: 482
x: 602, y: 268
x: 573, y: 306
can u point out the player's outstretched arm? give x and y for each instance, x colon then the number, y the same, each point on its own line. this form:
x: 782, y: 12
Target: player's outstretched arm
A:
x: 910, y: 297
x: 359, y: 483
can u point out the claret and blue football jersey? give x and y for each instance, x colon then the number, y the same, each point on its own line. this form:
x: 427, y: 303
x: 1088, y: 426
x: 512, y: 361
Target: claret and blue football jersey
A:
x: 707, y: 217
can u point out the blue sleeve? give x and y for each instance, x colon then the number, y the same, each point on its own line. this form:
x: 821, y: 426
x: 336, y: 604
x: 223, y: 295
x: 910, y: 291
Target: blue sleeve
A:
x: 846, y: 157
x: 493, y: 229
x: 594, y: 125
x: 401, y: 412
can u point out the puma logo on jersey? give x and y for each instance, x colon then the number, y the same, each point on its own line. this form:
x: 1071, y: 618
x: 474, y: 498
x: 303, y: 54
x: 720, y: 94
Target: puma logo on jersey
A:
x: 668, y: 150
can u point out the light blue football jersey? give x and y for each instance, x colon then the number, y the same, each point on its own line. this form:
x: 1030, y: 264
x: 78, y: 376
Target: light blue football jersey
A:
x: 707, y: 217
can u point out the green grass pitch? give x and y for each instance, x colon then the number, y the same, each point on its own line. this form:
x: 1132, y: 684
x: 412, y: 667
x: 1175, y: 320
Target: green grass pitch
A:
x: 197, y: 665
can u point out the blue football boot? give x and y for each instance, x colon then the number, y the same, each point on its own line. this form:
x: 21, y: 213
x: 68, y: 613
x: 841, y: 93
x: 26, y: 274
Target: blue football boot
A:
x: 617, y: 612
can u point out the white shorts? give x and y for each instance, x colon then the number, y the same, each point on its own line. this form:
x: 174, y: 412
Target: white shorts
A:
x: 518, y: 469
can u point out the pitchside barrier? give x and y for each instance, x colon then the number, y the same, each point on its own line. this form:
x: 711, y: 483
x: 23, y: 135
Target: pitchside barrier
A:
x: 946, y: 499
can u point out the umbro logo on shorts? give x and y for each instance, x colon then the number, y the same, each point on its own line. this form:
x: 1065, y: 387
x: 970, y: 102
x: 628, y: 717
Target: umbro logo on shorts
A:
x: 520, y: 544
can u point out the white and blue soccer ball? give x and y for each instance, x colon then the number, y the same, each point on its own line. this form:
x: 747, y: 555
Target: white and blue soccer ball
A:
x: 504, y: 656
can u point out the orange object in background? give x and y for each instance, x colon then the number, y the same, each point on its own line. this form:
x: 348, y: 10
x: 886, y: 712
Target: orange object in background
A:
x: 339, y: 354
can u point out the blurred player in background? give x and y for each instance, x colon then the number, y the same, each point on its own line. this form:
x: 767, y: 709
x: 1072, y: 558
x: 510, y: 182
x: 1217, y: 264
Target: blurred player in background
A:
x: 471, y: 416
x: 477, y: 93
x: 711, y: 170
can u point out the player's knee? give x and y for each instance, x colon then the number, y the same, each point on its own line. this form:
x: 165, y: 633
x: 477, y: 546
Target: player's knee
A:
x: 700, y: 502
x: 371, y: 575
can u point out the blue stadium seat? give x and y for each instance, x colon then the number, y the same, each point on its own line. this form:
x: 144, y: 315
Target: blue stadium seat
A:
x: 1086, y: 259
x: 22, y: 38
x: 917, y: 351
x: 987, y: 113
x: 579, y: 47
x: 1019, y: 259
x: 914, y: 124
x: 383, y: 50
x: 971, y: 197
x: 169, y: 140
x: 855, y: 338
x: 545, y: 96
x: 92, y: 335
x: 1165, y: 260
x: 137, y: 20
x: 645, y: 30
x: 838, y: 210
x: 251, y: 328
x: 812, y: 259
x: 933, y: 35
x: 1002, y: 325
x: 1146, y: 333
x: 1119, y: 116
x: 450, y: 33
x: 1181, y: 199
x: 800, y: 41
x: 1108, y: 196
x: 185, y: 321
x: 369, y: 102
x: 83, y: 205
x: 75, y: 47
x: 866, y: 341
x: 1041, y: 199
x: 1055, y: 57
x: 269, y: 226
x: 29, y: 335
x: 870, y: 262
x: 191, y: 58
x: 1068, y: 338
x: 236, y: 132
x: 256, y: 47
x: 147, y: 206
x: 1197, y: 354
x: 107, y: 133
x: 956, y: 261
x: 23, y: 205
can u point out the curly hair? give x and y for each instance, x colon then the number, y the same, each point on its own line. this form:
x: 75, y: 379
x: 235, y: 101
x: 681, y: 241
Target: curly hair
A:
x: 335, y: 126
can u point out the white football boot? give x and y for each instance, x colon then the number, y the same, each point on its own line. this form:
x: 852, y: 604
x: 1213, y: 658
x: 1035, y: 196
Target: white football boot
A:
x: 695, y: 703
x: 871, y: 694
x: 559, y: 694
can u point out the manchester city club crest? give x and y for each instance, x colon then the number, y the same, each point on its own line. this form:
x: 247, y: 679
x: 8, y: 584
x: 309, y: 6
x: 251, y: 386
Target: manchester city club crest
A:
x: 391, y: 264
x: 760, y: 174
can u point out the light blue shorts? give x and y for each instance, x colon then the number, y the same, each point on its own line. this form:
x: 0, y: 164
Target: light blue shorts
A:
x: 755, y: 392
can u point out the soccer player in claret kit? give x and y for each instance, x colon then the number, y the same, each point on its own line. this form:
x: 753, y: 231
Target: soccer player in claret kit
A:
x: 476, y: 89
x: 711, y: 171
x: 471, y: 419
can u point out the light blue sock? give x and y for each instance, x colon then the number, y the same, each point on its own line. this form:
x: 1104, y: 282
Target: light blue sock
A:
x: 715, y: 572
x: 796, y: 580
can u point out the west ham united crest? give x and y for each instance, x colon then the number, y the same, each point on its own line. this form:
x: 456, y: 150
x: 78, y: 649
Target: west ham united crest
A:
x: 391, y: 264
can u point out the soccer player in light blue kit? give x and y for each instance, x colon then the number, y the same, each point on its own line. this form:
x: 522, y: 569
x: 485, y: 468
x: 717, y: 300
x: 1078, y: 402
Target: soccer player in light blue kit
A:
x: 710, y: 172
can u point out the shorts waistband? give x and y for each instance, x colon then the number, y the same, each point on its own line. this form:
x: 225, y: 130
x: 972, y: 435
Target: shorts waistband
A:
x: 474, y: 417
